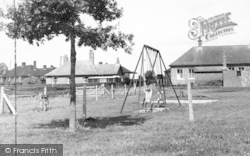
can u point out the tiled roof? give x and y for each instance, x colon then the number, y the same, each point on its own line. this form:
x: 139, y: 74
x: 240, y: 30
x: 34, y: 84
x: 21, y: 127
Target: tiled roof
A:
x: 28, y: 70
x: 125, y: 70
x: 213, y: 56
x: 82, y: 68
x: 107, y: 69
x: 87, y: 68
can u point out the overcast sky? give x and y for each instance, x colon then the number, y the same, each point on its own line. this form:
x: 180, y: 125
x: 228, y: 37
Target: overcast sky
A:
x: 162, y: 24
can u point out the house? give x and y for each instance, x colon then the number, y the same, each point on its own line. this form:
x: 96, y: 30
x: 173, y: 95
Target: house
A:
x: 88, y: 72
x: 25, y: 71
x: 212, y: 64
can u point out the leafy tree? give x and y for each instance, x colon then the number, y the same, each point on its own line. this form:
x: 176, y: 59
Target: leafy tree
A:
x: 41, y: 20
x: 149, y: 76
x: 3, y: 68
x: 1, y: 22
x: 160, y: 76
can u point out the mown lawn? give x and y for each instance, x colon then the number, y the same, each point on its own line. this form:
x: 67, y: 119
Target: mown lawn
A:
x: 220, y: 128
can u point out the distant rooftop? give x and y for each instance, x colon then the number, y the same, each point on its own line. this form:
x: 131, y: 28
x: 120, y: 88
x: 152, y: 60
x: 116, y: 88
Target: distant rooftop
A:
x: 87, y: 68
x: 213, y: 55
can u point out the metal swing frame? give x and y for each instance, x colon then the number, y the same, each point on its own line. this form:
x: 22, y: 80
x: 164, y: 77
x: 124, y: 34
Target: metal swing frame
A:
x: 152, y: 65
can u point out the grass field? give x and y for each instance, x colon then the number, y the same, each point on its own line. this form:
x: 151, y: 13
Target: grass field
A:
x: 220, y: 128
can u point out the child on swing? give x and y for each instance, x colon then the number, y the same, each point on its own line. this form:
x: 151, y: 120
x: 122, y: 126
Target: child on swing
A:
x: 148, y: 96
x: 160, y: 97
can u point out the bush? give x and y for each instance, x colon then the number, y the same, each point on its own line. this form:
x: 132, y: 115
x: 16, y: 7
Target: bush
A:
x: 7, y: 83
x: 31, y: 80
x: 126, y: 81
x: 17, y: 83
x: 211, y: 83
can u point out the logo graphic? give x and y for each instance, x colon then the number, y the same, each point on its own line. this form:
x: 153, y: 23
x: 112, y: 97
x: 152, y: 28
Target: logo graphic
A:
x: 245, y: 78
x: 210, y: 28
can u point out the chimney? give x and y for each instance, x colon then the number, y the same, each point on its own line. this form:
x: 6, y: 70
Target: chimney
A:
x: 44, y: 67
x: 117, y: 61
x: 199, y: 42
x: 65, y: 59
x: 34, y: 64
x: 23, y: 64
x: 100, y: 62
x: 91, y: 56
x: 199, y: 48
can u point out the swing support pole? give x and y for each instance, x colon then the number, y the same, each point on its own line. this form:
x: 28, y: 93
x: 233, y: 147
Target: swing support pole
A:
x: 162, y: 81
x: 170, y: 81
x: 131, y: 82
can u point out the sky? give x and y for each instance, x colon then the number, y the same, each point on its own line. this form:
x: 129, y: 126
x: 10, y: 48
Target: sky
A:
x: 162, y: 24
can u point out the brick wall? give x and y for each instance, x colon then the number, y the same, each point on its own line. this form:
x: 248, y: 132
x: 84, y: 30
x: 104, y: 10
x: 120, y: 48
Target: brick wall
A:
x: 228, y: 78
x: 48, y: 80
x: 231, y: 79
x: 62, y: 80
x: 234, y: 79
x: 208, y: 79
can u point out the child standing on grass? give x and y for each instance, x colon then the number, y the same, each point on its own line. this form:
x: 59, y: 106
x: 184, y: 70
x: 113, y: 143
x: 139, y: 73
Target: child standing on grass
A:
x: 148, y: 96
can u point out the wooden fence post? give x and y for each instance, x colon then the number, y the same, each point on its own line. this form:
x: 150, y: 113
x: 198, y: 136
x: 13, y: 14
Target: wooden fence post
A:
x: 84, y: 103
x: 1, y: 101
x: 190, y: 104
x: 96, y: 95
x: 112, y: 91
x: 45, y: 91
x: 103, y: 89
x: 135, y: 88
x: 125, y: 89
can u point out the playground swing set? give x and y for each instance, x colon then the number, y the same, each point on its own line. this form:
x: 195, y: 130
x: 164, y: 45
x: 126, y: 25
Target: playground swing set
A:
x: 152, y: 70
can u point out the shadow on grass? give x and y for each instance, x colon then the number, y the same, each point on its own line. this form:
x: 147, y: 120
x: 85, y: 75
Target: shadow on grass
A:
x: 126, y: 120
x: 63, y: 124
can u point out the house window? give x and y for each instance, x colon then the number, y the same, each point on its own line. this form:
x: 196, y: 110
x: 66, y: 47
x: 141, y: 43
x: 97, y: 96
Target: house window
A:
x: 241, y: 68
x: 55, y: 80
x: 231, y: 68
x: 111, y: 80
x: 93, y: 80
x: 85, y: 80
x: 103, y: 80
x: 191, y: 73
x: 179, y: 74
x: 68, y: 80
x: 238, y: 73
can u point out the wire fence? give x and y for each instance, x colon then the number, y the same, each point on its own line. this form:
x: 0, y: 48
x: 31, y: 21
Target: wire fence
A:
x: 104, y: 101
x: 116, y: 95
x: 100, y: 92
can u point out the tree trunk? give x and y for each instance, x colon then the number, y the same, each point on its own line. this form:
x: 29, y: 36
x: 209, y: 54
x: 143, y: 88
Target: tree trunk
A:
x: 72, y: 121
